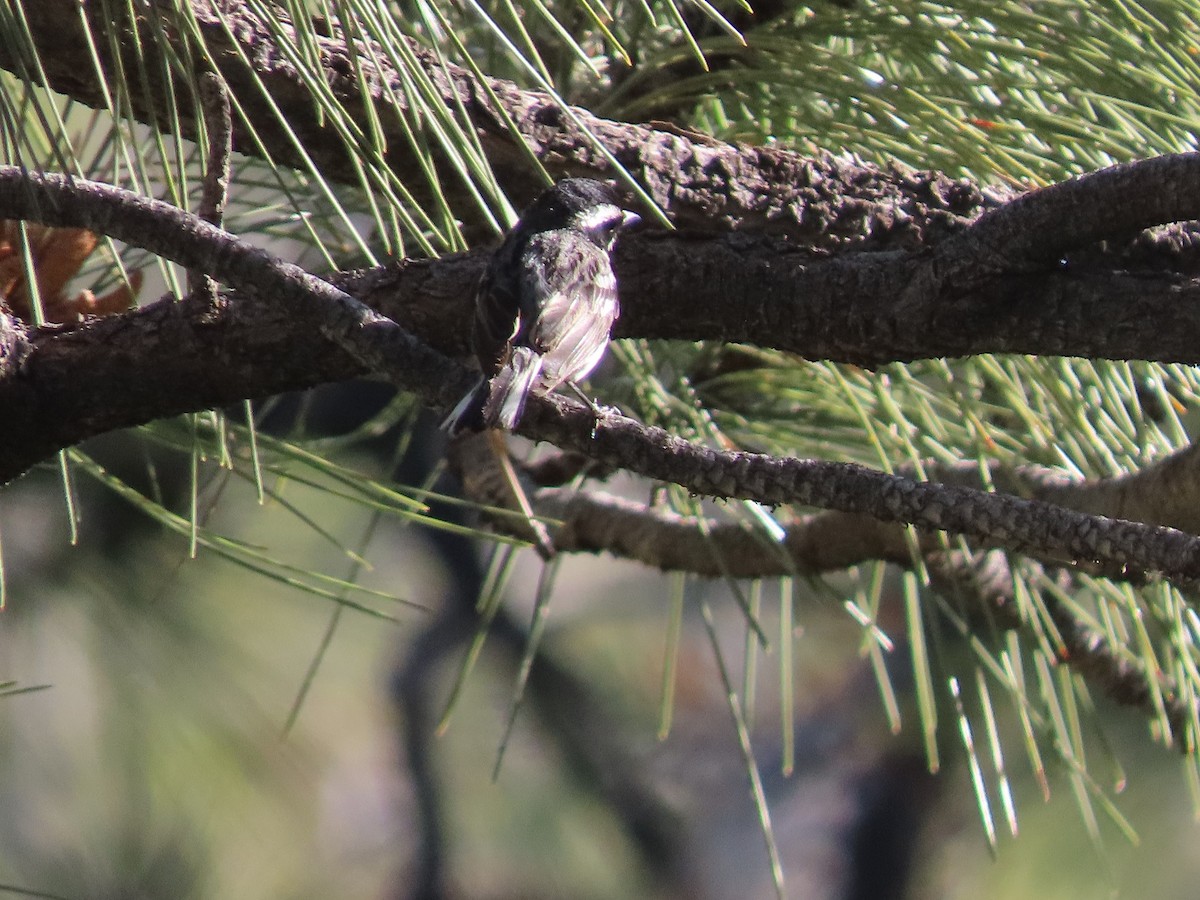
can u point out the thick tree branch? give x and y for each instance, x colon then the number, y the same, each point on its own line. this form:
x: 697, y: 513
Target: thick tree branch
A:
x: 1041, y: 225
x: 756, y: 290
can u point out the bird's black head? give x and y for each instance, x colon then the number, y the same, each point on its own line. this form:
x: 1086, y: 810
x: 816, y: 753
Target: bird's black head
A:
x: 580, y: 204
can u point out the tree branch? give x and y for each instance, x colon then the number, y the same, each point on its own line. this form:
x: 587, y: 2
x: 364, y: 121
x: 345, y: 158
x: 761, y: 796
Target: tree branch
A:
x: 591, y: 521
x: 46, y: 389
x: 994, y: 520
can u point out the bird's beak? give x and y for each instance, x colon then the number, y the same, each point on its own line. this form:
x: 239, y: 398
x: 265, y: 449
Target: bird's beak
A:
x: 629, y: 218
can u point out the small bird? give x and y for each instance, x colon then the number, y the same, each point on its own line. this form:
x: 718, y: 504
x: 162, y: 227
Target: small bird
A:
x: 546, y: 304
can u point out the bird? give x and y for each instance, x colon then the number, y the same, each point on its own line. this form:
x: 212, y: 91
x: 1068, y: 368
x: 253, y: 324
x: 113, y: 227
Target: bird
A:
x: 546, y: 303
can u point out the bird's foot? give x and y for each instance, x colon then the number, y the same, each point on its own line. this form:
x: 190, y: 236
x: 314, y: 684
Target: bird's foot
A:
x: 599, y: 410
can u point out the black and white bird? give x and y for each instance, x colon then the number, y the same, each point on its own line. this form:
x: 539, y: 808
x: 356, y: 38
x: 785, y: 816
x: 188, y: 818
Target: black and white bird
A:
x: 546, y: 303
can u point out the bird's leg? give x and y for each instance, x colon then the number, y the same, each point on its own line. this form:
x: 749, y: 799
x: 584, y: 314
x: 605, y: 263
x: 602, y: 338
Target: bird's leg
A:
x: 598, y: 411
x: 588, y: 401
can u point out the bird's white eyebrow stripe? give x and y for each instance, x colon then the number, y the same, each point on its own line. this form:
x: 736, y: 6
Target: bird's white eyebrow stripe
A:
x: 599, y: 215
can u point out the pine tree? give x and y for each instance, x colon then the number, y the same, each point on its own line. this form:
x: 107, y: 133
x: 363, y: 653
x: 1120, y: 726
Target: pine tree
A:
x: 905, y: 354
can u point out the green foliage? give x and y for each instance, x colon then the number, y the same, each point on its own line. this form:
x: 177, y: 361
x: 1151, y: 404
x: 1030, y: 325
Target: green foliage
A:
x: 1017, y: 91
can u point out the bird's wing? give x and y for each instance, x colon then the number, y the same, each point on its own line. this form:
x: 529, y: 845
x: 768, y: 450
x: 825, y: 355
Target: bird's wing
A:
x: 575, y: 304
x: 497, y: 314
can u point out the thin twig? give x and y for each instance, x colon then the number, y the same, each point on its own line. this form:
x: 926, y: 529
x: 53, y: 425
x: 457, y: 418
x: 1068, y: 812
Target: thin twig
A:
x: 218, y: 126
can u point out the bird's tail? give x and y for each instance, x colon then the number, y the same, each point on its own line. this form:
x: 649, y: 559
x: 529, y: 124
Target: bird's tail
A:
x: 468, y: 414
x: 510, y: 387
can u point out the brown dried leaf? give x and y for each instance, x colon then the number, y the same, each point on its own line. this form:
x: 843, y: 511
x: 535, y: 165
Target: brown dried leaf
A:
x: 58, y: 255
